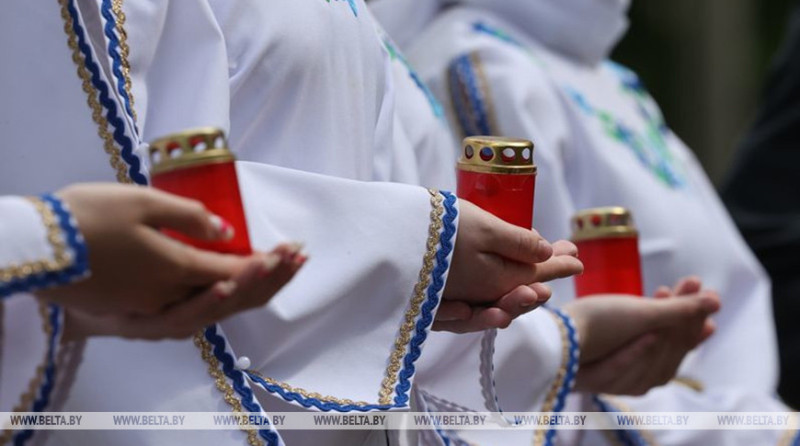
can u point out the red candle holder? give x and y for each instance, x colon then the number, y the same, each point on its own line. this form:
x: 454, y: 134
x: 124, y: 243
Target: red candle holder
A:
x: 499, y: 176
x: 197, y: 164
x: 608, y: 245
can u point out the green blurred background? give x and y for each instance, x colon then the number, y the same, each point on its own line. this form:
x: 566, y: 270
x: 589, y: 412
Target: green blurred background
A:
x: 705, y: 62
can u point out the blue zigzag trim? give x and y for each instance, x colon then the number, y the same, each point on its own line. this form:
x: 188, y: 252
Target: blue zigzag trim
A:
x: 110, y: 30
x: 572, y: 368
x: 464, y: 79
x: 423, y: 324
x: 237, y: 378
x: 313, y: 402
x: 134, y: 164
x: 625, y: 437
x: 437, y: 284
x: 42, y: 399
x: 74, y: 240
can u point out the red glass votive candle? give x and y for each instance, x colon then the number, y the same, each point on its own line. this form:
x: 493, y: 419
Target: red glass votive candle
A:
x: 197, y: 164
x: 608, y: 245
x: 499, y: 176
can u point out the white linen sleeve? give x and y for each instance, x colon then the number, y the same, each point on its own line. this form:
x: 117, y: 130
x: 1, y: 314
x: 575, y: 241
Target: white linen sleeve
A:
x: 41, y: 248
x: 346, y: 333
x: 529, y: 367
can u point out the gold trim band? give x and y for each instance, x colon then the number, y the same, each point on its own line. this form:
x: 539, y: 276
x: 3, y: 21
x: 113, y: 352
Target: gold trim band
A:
x: 109, y: 145
x: 307, y: 394
x: 561, y: 375
x: 124, y: 51
x: 223, y: 385
x: 401, y: 343
x: 61, y: 258
x: 27, y: 398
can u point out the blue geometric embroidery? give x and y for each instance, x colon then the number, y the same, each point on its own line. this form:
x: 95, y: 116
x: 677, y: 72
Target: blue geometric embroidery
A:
x: 651, y: 148
x: 352, y: 3
x: 395, y: 54
x: 469, y: 100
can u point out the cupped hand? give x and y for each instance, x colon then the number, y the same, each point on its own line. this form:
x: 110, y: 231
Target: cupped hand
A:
x: 258, y: 282
x: 135, y: 268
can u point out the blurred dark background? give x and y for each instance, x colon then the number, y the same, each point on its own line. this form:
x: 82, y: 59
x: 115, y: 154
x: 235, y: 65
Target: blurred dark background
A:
x: 704, y: 61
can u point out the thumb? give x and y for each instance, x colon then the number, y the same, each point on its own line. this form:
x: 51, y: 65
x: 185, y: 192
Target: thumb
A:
x: 678, y: 310
x: 518, y: 244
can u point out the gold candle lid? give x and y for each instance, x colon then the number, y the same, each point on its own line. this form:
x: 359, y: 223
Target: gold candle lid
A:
x: 193, y: 147
x: 491, y: 154
x: 602, y: 222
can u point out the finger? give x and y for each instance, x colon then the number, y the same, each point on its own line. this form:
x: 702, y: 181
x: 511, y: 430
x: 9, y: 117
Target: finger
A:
x: 565, y: 248
x: 183, y: 319
x: 543, y: 292
x: 709, y: 328
x: 688, y: 285
x: 189, y: 217
x: 276, y: 269
x: 518, y: 244
x: 192, y: 266
x: 259, y: 281
x: 662, y: 292
x: 557, y: 267
x: 678, y: 311
x: 450, y: 311
x: 481, y: 319
x: 520, y: 300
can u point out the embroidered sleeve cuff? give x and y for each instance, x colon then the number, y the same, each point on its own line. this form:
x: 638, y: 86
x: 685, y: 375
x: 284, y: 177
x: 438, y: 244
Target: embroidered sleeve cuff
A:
x: 42, y: 246
x: 415, y: 326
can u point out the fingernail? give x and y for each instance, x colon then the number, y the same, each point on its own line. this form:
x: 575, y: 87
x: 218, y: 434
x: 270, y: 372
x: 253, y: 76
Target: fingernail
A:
x: 529, y: 304
x: 544, y: 245
x: 225, y: 289
x: 292, y: 251
x: 300, y: 259
x: 222, y: 228
x: 271, y: 262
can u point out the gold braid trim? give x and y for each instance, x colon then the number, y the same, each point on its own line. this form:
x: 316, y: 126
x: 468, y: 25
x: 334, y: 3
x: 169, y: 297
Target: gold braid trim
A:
x: 27, y: 398
x: 307, y: 394
x: 61, y: 257
x: 552, y: 394
x: 124, y: 51
x: 401, y: 343
x: 94, y: 104
x: 406, y: 330
x: 690, y: 383
x: 223, y: 385
x: 462, y: 91
x: 483, y: 84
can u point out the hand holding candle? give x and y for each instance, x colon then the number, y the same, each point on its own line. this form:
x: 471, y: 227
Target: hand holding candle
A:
x: 197, y: 164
